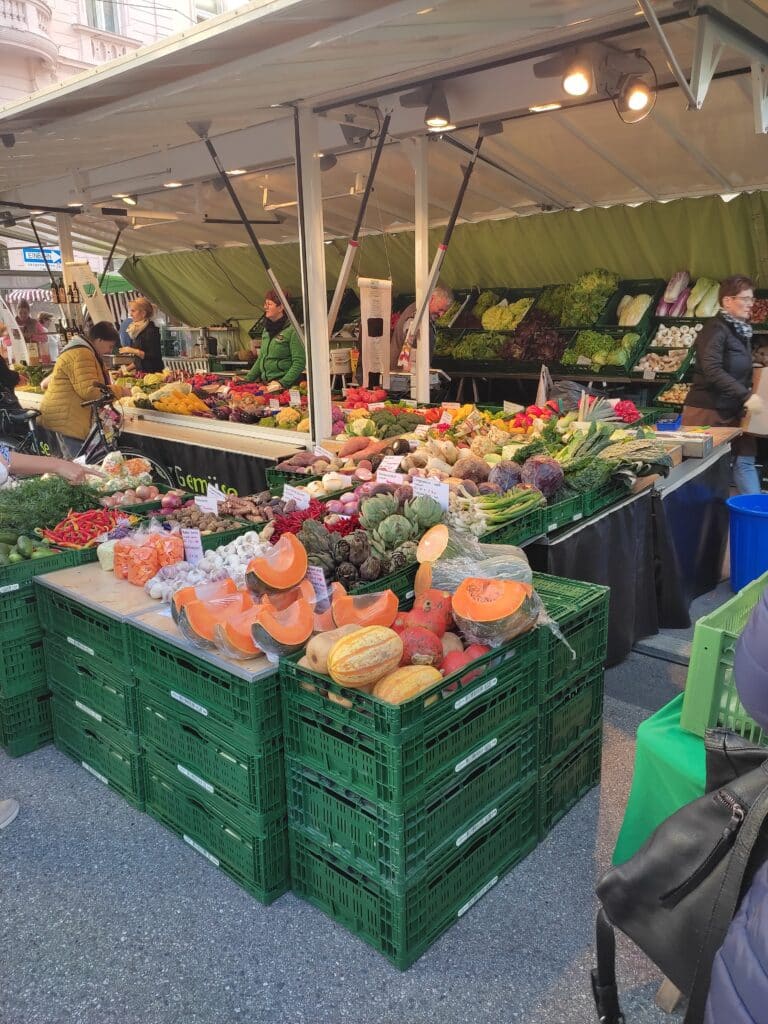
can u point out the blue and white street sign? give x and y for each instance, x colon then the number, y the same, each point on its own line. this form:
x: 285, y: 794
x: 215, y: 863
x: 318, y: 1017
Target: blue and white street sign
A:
x: 33, y: 257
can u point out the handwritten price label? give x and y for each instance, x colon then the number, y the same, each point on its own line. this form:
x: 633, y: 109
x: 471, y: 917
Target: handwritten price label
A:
x: 294, y: 397
x: 274, y: 405
x: 385, y: 476
x: 193, y: 545
x: 390, y: 463
x: 430, y: 488
x: 301, y: 498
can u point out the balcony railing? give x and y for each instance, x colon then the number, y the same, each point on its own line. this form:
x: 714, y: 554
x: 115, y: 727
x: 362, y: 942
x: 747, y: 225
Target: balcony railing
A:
x: 26, y: 25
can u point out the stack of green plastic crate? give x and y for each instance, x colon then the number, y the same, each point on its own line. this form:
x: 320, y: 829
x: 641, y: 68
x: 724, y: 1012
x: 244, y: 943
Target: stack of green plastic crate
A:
x: 402, y: 816
x: 570, y: 694
x: 211, y: 732
x: 94, y: 692
x: 25, y: 700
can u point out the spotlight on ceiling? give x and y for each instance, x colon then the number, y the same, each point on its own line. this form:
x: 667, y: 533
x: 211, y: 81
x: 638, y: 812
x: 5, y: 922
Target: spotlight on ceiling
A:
x: 437, y: 116
x: 579, y: 77
x: 237, y: 172
x: 126, y: 198
x: 173, y: 184
x: 327, y: 161
x: 75, y: 205
x: 635, y: 99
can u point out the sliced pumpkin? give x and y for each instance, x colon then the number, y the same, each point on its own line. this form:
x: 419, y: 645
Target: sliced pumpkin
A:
x: 198, y: 619
x: 365, y: 609
x: 234, y: 636
x: 283, y: 633
x: 282, y: 599
x: 280, y: 568
x: 492, y: 611
x: 423, y: 579
x: 324, y: 613
x: 201, y: 592
x: 433, y: 544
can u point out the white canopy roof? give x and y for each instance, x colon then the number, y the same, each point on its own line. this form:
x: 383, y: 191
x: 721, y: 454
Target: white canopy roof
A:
x: 125, y: 127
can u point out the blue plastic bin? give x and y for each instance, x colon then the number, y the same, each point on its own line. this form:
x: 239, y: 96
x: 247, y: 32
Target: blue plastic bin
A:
x: 749, y: 538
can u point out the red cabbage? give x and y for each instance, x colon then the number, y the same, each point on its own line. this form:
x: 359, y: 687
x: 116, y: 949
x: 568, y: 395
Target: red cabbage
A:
x: 506, y: 474
x: 543, y: 472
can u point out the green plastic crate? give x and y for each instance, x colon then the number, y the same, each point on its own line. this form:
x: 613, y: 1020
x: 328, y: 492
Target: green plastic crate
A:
x: 710, y: 696
x: 664, y: 375
x: 581, y: 612
x: 252, y: 773
x: 565, y: 780
x: 18, y: 611
x: 256, y: 858
x: 526, y: 527
x: 651, y: 286
x: 562, y: 513
x: 402, y: 925
x: 25, y: 721
x: 389, y: 753
x: 84, y: 715
x: 604, y: 496
x: 566, y: 716
x: 84, y: 628
x: 98, y: 685
x: 153, y: 506
x: 276, y: 478
x: 22, y: 664
x: 396, y: 848
x: 249, y: 707
x: 96, y: 748
x: 400, y: 582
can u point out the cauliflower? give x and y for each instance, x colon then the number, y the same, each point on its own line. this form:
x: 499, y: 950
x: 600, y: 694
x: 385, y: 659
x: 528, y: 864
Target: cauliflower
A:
x: 288, y: 417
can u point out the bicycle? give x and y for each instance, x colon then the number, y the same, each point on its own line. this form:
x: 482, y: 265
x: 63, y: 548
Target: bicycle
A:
x: 101, y: 440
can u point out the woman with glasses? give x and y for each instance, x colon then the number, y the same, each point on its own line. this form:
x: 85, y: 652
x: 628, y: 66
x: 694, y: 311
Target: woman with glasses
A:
x: 722, y: 378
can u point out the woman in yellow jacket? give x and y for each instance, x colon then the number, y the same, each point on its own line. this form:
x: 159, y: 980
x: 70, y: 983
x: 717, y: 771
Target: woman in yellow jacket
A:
x: 78, y: 370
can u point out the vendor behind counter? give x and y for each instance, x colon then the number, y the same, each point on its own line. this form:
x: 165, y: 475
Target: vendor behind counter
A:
x: 282, y: 358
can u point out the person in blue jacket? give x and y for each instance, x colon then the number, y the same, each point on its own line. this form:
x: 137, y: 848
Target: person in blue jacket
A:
x: 738, y: 992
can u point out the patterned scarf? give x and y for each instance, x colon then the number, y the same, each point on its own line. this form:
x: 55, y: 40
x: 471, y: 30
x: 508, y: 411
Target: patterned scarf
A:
x: 135, y: 327
x: 741, y: 327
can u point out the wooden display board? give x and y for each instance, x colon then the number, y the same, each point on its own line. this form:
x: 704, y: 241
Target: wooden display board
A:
x: 375, y: 320
x: 80, y: 274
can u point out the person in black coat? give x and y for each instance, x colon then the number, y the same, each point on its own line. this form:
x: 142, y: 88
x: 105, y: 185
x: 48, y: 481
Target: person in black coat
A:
x: 722, y: 378
x: 145, y: 337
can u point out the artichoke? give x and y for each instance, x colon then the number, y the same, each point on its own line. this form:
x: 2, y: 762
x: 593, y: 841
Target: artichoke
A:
x: 374, y: 511
x: 394, y: 531
x: 423, y: 513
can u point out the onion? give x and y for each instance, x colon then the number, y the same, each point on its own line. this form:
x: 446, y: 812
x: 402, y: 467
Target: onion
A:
x: 143, y: 493
x: 153, y: 492
x: 346, y: 498
x: 170, y: 501
x: 129, y: 498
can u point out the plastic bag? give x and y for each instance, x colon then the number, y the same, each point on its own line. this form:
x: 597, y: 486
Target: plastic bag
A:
x: 465, y: 556
x: 142, y: 564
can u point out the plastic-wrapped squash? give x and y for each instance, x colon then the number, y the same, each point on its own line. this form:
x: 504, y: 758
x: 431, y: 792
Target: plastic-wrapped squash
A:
x: 493, y: 611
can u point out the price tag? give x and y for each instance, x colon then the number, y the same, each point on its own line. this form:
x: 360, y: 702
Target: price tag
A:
x: 316, y: 577
x: 411, y: 403
x: 386, y: 476
x: 450, y: 405
x: 193, y: 545
x: 446, y: 418
x: 294, y: 397
x: 322, y: 453
x: 422, y: 430
x: 649, y: 375
x: 215, y: 494
x: 513, y: 407
x: 431, y: 488
x: 390, y: 463
x: 274, y: 405
x: 375, y: 405
x: 206, y: 503
x: 301, y: 498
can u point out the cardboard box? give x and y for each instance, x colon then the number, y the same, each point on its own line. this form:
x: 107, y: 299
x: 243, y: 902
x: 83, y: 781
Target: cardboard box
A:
x: 757, y: 423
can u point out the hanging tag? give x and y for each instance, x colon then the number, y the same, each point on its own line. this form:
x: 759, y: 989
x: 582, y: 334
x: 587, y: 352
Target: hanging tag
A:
x: 193, y: 545
x: 431, y: 488
x: 301, y: 498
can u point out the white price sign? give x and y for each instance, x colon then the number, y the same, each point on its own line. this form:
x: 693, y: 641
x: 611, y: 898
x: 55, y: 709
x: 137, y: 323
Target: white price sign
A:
x: 316, y: 577
x: 390, y: 463
x: 450, y: 405
x: 193, y: 545
x: 206, y: 503
x: 513, y: 407
x: 294, y: 397
x: 274, y: 405
x: 431, y: 488
x: 422, y: 430
x: 295, y: 494
x: 446, y: 418
x: 322, y: 453
x: 649, y: 375
x: 375, y: 405
x: 411, y: 403
x: 386, y: 476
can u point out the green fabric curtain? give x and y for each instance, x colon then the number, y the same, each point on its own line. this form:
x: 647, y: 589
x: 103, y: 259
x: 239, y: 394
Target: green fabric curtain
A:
x: 706, y: 236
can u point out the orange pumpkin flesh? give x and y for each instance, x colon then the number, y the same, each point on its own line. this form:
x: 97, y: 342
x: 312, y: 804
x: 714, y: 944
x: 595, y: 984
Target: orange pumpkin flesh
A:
x: 198, y: 619
x: 365, y: 609
x: 234, y: 637
x: 201, y: 592
x: 432, y: 544
x: 282, y: 599
x: 492, y: 611
x: 283, y: 632
x: 280, y: 568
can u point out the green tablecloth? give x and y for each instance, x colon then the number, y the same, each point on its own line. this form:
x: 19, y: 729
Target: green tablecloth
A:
x: 669, y: 772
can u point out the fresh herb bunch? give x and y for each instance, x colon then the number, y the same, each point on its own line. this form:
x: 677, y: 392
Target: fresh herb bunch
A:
x: 43, y: 502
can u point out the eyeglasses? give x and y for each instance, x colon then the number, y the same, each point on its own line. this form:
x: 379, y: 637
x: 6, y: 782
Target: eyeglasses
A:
x: 744, y: 298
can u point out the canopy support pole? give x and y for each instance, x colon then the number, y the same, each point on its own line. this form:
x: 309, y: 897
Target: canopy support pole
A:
x: 109, y: 258
x: 201, y: 130
x: 312, y: 252
x: 420, y: 378
x: 349, y: 255
x: 42, y: 253
x: 64, y: 228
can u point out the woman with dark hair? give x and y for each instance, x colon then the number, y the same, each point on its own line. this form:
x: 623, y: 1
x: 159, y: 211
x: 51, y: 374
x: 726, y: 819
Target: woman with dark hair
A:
x: 282, y: 359
x: 722, y: 377
x: 76, y: 375
x: 145, y: 337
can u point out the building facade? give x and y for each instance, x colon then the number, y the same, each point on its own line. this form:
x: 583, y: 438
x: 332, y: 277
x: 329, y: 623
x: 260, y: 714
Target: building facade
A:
x: 42, y: 43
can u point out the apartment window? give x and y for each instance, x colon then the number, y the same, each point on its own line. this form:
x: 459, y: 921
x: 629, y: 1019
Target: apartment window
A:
x: 103, y: 14
x: 205, y: 9
x: 4, y: 261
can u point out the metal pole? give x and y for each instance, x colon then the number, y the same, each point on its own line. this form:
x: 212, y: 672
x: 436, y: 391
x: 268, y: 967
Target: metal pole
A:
x: 109, y: 258
x: 312, y: 251
x: 655, y: 26
x: 439, y: 259
x: 352, y: 244
x: 42, y: 251
x: 202, y: 131
x: 420, y: 372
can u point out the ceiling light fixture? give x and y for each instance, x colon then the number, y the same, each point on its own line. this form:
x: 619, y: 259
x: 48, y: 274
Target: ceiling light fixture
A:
x: 579, y: 78
x: 437, y: 115
x: 173, y: 184
x: 541, y: 108
x: 236, y: 172
x: 74, y: 206
x: 445, y: 128
x: 425, y: 10
x: 327, y: 161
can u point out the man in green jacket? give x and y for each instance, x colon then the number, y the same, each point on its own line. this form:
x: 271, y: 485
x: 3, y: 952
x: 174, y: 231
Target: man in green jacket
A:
x: 282, y: 359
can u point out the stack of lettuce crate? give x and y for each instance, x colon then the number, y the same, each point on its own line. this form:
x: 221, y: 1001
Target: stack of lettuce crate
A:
x: 25, y: 699
x: 94, y: 691
x: 211, y: 732
x: 401, y: 817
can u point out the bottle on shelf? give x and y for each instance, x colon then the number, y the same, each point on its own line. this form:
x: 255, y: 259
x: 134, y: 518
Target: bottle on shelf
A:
x: 75, y: 292
x: 70, y: 296
x: 62, y: 291
x: 54, y: 291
